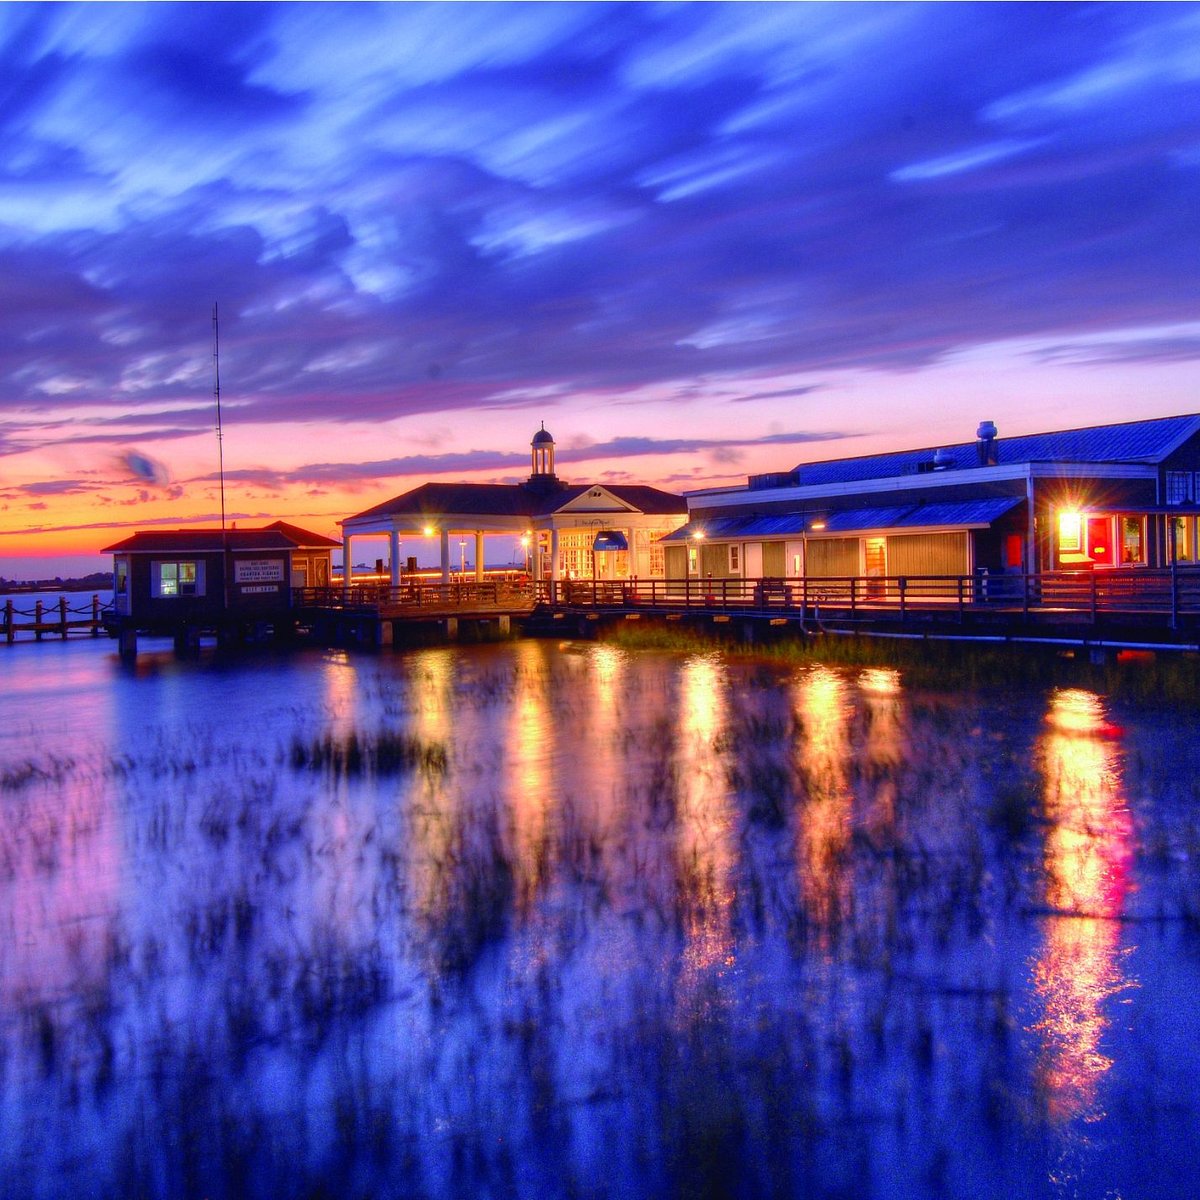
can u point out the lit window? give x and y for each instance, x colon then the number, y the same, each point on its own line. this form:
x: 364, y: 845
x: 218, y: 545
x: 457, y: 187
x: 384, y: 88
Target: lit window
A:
x: 177, y: 579
x: 735, y: 559
x: 1183, y: 539
x: 1069, y: 531
x: 1131, y: 540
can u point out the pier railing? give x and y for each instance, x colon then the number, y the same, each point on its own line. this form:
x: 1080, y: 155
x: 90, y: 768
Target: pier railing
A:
x: 1171, y: 591
x: 57, y: 619
x: 423, y: 595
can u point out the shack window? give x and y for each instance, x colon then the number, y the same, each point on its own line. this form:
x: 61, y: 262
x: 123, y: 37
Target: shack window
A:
x: 177, y: 579
x: 735, y: 559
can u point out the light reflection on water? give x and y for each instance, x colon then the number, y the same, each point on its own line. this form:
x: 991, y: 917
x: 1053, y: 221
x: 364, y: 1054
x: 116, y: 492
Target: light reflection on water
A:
x: 1087, y: 852
x: 649, y: 926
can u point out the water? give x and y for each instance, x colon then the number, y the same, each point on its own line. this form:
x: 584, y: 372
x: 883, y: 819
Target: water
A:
x: 573, y: 922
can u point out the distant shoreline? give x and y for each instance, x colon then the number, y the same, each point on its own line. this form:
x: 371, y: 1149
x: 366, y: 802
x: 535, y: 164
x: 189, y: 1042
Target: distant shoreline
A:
x: 88, y: 583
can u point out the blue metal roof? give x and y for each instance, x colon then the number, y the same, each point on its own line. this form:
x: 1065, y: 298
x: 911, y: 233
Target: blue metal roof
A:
x: 961, y: 514
x: 1142, y: 442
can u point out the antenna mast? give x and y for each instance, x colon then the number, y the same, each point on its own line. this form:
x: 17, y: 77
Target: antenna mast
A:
x: 217, y: 395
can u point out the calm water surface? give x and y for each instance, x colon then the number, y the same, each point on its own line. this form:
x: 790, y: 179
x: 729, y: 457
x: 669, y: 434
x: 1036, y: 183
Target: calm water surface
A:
x: 568, y: 921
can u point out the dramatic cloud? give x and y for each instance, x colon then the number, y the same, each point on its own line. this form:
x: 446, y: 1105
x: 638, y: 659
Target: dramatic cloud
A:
x: 411, y: 210
x: 493, y: 461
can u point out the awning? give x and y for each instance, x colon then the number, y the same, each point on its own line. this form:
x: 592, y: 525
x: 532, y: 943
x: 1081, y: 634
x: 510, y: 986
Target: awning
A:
x: 610, y: 539
x: 943, y: 515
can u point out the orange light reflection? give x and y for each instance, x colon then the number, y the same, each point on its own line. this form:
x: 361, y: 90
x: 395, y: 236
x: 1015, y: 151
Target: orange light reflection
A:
x: 823, y: 832
x: 704, y: 852
x: 529, y: 772
x: 1087, y: 861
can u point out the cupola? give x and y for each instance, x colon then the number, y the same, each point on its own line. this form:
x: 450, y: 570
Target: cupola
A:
x: 542, y: 447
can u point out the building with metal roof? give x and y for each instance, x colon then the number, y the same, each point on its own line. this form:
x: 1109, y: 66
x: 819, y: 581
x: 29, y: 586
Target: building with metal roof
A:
x: 559, y: 530
x: 1096, y: 498
x: 168, y: 579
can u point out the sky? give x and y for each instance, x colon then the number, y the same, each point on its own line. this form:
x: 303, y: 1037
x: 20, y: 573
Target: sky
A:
x: 696, y: 241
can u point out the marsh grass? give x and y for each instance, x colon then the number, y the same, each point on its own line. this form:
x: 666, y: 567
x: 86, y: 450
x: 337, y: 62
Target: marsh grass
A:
x: 382, y: 753
x: 1171, y: 678
x: 597, y: 927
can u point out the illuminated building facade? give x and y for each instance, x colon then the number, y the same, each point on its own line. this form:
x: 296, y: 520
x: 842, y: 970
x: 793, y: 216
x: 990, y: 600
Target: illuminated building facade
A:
x: 565, y: 531
x: 1097, y: 498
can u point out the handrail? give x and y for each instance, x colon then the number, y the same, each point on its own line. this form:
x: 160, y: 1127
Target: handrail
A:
x: 1173, y: 592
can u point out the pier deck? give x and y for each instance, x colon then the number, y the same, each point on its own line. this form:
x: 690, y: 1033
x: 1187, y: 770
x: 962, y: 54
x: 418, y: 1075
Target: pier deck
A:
x: 1144, y: 607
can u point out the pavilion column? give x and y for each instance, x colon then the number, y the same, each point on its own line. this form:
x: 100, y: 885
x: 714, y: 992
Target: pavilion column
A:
x: 479, y: 555
x: 555, y: 570
x: 394, y: 551
x: 445, y: 552
x: 347, y: 563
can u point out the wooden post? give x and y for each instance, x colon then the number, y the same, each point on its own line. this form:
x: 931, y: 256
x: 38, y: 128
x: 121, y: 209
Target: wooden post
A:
x: 9, y: 631
x: 95, y: 615
x: 62, y: 616
x: 37, y: 621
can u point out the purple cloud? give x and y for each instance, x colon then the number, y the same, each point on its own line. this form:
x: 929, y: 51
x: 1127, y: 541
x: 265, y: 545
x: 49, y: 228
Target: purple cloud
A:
x: 416, y: 209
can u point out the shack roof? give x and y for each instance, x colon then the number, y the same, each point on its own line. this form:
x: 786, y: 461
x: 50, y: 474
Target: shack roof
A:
x: 304, y: 537
x: 199, y: 541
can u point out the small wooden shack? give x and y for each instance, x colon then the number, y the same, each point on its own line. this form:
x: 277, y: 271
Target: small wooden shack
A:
x: 184, y: 582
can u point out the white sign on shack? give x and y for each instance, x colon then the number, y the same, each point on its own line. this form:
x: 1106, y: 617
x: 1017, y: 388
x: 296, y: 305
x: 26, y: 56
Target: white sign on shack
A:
x: 250, y: 571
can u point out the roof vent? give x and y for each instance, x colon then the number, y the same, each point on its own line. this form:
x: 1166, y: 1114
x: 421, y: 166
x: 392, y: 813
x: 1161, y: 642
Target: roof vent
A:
x: 942, y: 460
x: 986, y: 434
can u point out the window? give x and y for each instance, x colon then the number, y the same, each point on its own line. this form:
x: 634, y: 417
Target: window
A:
x: 177, y: 579
x: 575, y: 555
x: 1132, y: 550
x: 658, y: 567
x: 1070, y: 525
x: 735, y: 560
x: 1183, y: 539
x: 1179, y: 487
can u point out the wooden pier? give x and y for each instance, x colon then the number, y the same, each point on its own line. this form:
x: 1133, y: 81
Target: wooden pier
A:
x: 370, y: 613
x: 1146, y: 608
x: 54, y: 620
x: 1143, y: 608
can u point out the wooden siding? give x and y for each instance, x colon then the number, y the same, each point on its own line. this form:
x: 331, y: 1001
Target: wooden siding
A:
x: 774, y: 560
x: 928, y: 554
x: 714, y: 560
x: 832, y: 557
x: 676, y: 561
